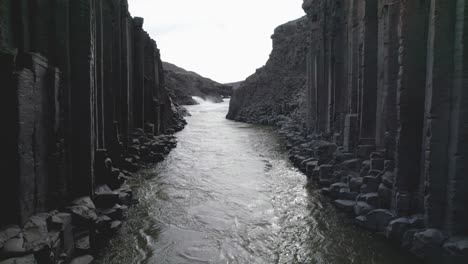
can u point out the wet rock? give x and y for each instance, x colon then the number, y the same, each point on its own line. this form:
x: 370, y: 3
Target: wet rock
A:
x: 356, y: 183
x: 115, y: 226
x: 377, y: 164
x: 82, y: 244
x: 14, y: 246
x: 372, y: 182
x: 106, y: 199
x: 385, y: 195
x: 82, y: 215
x: 87, y: 259
x: 35, y: 232
x: 352, y: 164
x: 325, y: 172
x: 388, y: 179
x: 427, y: 244
x: 84, y: 201
x: 325, y: 191
x: 347, y: 194
x: 336, y: 187
x: 378, y: 220
x: 371, y: 198
x: 29, y: 259
x: 310, y: 168
x: 345, y: 205
x: 324, y: 151
x: 456, y: 250
x: 397, y: 228
x: 8, y: 232
x: 364, y: 151
x: 402, y: 203
x: 362, y: 208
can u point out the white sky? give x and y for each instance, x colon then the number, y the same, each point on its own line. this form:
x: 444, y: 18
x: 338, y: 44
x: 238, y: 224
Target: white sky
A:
x: 225, y: 40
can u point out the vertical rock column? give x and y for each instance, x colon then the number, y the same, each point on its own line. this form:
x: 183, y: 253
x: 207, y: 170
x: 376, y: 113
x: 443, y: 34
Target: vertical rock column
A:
x: 82, y: 43
x: 127, y: 72
x: 368, y: 70
x: 138, y: 72
x: 387, y: 60
x: 457, y: 213
x: 414, y: 19
x: 438, y: 109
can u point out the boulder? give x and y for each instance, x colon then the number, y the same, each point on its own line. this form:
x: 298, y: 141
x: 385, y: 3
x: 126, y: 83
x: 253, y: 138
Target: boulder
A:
x: 377, y: 164
x: 8, y: 232
x: 82, y: 244
x: 428, y: 243
x: 388, y: 179
x: 345, y: 205
x: 336, y: 187
x: 456, y: 250
x: 377, y: 220
x: 356, y: 183
x: 372, y: 182
x: 106, y: 199
x: 84, y: 201
x: 325, y: 172
x: 14, y: 246
x: 86, y: 259
x: 362, y: 208
x: 82, y: 215
x: 29, y: 259
x: 35, y: 232
x: 371, y: 198
x: 347, y: 194
x: 397, y: 228
x: 352, y: 164
x: 385, y: 195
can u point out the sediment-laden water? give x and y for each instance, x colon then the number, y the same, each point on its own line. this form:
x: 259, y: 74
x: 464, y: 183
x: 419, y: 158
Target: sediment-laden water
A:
x: 228, y: 194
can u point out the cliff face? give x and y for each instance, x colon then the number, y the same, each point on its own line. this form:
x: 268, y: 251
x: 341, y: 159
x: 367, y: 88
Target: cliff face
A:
x: 276, y: 92
x: 385, y: 106
x: 184, y: 84
x: 82, y: 91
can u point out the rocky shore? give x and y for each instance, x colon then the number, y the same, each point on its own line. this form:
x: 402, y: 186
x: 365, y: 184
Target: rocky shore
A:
x: 375, y: 115
x: 84, y: 105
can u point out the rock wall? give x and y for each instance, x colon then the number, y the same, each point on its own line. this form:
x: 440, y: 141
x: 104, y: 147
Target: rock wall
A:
x: 184, y: 84
x: 275, y: 94
x: 82, y: 84
x: 386, y: 116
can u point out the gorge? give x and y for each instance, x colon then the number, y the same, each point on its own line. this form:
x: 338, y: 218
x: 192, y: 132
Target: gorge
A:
x: 347, y: 146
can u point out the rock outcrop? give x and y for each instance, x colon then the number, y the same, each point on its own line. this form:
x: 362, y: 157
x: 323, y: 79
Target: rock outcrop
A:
x: 386, y: 88
x: 83, y: 102
x: 275, y: 94
x: 184, y: 84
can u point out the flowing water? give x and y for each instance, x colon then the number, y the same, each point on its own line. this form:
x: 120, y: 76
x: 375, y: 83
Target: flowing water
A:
x: 228, y: 194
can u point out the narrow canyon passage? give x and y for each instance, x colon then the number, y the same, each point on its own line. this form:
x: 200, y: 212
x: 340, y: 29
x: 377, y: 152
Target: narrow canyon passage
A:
x: 228, y: 194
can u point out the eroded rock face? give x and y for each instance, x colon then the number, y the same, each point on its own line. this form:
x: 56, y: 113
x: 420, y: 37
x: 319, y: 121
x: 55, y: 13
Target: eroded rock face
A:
x: 275, y: 94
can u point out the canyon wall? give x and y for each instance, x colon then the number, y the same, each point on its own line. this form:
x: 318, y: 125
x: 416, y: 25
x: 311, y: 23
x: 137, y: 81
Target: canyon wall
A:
x: 275, y: 93
x: 386, y: 103
x: 184, y: 84
x: 78, y: 79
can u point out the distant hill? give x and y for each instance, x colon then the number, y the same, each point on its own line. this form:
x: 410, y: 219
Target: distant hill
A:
x: 234, y: 85
x: 184, y: 84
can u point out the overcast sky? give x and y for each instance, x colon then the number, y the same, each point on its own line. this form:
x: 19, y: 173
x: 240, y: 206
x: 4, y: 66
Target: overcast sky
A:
x: 225, y: 40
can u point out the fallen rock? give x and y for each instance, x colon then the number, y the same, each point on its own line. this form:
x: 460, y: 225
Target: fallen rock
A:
x: 35, y: 232
x: 456, y: 250
x: 8, y: 232
x: 371, y: 198
x: 84, y: 201
x: 378, y: 220
x: 345, y: 205
x: 14, y: 247
x: 29, y: 259
x: 397, y: 228
x: 82, y: 215
x: 362, y: 208
x: 427, y: 244
x: 356, y: 183
x: 352, y: 164
x: 87, y: 259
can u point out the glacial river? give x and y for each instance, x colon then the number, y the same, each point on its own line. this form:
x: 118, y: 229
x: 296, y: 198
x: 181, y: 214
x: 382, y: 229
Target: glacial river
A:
x: 228, y: 194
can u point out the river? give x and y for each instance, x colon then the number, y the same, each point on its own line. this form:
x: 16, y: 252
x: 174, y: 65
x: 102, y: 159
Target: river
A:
x: 228, y: 194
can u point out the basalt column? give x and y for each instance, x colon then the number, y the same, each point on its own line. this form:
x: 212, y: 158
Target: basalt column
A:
x: 446, y: 137
x: 82, y: 44
x: 138, y: 73
x: 445, y: 130
x: 127, y: 73
x: 413, y: 25
x: 367, y: 70
x: 387, y: 66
